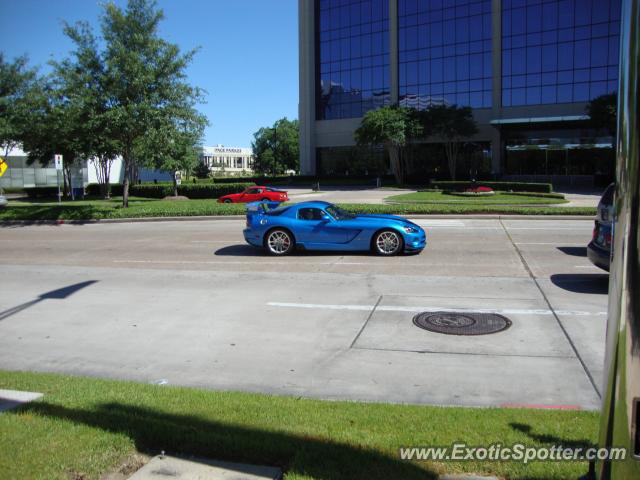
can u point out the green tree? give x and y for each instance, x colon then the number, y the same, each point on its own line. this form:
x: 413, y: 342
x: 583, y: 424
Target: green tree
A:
x: 17, y: 83
x: 69, y: 115
x: 276, y: 148
x: 451, y: 124
x: 55, y: 127
x: 145, y: 79
x: 181, y: 151
x: 201, y: 170
x: 392, y: 127
x: 603, y: 111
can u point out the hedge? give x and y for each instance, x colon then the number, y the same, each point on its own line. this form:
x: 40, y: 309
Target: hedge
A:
x: 93, y: 189
x: 36, y: 192
x: 500, y: 186
x: 165, y: 189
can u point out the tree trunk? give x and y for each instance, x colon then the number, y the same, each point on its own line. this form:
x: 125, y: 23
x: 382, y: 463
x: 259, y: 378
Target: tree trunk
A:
x: 396, y: 167
x: 126, y: 160
x: 175, y: 185
x: 451, y: 150
x: 66, y: 180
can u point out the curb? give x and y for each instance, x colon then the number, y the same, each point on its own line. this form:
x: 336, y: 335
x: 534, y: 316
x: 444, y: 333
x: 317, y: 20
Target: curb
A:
x: 242, y: 217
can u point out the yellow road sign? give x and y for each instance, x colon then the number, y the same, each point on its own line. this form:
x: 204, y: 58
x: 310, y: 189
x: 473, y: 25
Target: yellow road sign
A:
x: 3, y: 166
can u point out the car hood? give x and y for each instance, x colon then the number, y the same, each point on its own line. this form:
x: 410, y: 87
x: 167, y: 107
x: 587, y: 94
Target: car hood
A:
x: 375, y: 218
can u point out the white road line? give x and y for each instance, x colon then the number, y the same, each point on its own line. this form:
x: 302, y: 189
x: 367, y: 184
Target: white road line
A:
x: 234, y: 262
x: 439, y: 223
x: 560, y: 244
x: 587, y: 266
x: 399, y: 308
x: 215, y: 241
x: 550, y: 229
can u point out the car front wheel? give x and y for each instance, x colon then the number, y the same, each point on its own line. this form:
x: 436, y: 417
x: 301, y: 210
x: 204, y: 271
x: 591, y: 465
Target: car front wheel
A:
x: 279, y: 242
x: 387, y: 243
x: 227, y: 200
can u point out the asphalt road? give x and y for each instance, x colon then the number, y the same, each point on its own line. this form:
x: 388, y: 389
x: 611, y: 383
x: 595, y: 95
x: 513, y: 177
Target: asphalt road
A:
x: 189, y: 303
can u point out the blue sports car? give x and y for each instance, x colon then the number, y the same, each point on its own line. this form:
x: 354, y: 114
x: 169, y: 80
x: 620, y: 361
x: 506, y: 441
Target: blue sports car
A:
x: 324, y: 226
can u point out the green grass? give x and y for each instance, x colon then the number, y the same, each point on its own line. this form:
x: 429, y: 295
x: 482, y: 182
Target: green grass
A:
x: 498, y: 198
x: 35, y: 210
x: 84, y: 427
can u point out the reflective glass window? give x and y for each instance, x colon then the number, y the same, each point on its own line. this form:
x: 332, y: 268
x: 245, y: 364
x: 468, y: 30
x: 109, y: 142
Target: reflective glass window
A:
x: 444, y: 52
x: 352, y: 57
x: 569, y: 47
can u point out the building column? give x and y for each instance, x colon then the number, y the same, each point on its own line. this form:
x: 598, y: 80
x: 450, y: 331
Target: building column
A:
x: 393, y: 51
x: 496, y: 67
x: 307, y: 85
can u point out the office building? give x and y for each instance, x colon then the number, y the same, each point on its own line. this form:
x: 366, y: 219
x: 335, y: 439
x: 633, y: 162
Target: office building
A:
x: 528, y: 69
x: 223, y: 160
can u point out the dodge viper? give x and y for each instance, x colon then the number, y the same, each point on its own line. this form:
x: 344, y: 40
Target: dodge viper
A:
x: 280, y: 229
x: 255, y: 194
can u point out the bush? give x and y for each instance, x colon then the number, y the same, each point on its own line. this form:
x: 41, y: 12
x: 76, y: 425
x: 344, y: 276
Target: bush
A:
x: 165, y: 189
x: 500, y: 186
x: 39, y: 192
x: 539, y: 194
x: 201, y: 190
x: 93, y: 189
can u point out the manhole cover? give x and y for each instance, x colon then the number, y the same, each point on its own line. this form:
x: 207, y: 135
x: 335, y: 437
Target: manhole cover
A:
x: 455, y: 323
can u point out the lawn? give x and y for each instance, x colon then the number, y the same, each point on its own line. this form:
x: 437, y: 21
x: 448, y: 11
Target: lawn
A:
x: 144, y: 207
x: 498, y: 198
x: 84, y: 427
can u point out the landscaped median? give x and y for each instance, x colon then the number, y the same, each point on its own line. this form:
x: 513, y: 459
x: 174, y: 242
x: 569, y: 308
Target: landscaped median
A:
x: 146, y: 208
x: 84, y: 428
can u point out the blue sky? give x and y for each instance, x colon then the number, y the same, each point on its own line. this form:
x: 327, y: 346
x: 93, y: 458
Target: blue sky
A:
x: 248, y: 58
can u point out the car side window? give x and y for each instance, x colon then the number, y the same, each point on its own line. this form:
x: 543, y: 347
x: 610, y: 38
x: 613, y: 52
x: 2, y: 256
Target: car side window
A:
x: 251, y: 191
x: 312, y: 214
x: 258, y: 190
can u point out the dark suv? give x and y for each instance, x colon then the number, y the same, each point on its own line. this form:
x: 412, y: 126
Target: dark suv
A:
x: 599, y: 249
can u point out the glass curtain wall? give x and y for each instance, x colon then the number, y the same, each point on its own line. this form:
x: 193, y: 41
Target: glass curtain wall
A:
x: 445, y: 53
x: 559, y: 51
x: 352, y: 52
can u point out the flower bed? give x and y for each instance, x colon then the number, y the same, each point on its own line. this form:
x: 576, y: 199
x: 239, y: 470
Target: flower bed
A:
x: 475, y: 191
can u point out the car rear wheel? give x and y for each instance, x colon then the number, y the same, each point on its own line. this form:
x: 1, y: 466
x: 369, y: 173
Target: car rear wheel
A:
x: 279, y: 242
x: 227, y: 200
x: 387, y: 243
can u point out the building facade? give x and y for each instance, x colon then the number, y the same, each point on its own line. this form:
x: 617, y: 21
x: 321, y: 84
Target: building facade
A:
x: 227, y: 160
x: 24, y: 174
x: 527, y: 68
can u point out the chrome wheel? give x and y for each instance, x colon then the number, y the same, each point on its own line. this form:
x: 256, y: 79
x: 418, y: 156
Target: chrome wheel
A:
x: 279, y: 242
x: 388, y: 242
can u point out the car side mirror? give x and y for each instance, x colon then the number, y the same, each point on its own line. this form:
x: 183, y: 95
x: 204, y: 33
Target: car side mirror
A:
x: 326, y: 218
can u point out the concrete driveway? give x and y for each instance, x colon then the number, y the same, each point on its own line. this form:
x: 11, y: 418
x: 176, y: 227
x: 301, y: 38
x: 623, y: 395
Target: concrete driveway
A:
x: 189, y: 303
x: 344, y: 194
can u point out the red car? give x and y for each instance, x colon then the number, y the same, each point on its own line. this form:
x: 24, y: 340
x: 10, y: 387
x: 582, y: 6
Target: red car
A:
x: 256, y: 194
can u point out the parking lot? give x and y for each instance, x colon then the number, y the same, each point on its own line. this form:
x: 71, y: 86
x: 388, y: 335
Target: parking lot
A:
x: 189, y: 303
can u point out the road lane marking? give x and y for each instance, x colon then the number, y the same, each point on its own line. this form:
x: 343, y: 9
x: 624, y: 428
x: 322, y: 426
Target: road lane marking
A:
x: 400, y: 308
x: 236, y: 262
x: 216, y: 241
x: 560, y: 244
x: 439, y: 223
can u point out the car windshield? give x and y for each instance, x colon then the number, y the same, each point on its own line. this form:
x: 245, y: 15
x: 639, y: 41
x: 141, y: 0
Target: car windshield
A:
x: 338, y: 213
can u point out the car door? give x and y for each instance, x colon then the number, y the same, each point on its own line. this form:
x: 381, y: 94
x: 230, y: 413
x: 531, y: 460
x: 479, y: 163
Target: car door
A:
x: 315, y: 226
x: 251, y: 195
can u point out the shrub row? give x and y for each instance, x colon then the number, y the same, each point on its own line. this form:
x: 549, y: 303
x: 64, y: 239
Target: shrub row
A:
x: 189, y: 190
x: 40, y: 192
x: 539, y: 194
x: 500, y: 186
x: 93, y: 189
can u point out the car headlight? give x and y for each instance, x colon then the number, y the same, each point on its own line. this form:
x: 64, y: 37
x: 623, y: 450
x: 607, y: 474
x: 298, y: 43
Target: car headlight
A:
x: 410, y: 229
